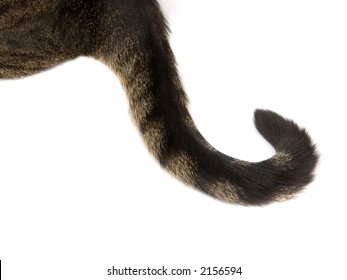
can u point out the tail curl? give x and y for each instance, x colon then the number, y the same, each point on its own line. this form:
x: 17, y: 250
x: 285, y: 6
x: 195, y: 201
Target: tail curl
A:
x: 146, y: 66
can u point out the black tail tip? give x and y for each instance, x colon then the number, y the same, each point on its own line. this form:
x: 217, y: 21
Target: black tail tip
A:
x: 287, y: 137
x: 281, y: 132
x: 273, y: 126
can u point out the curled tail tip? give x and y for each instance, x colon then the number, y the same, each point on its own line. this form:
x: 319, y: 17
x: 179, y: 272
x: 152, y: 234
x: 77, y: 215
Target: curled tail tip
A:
x: 290, y: 142
x: 276, y: 179
x: 282, y: 133
x: 274, y: 127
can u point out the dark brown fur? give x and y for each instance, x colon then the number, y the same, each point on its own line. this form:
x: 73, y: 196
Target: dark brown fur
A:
x: 131, y: 37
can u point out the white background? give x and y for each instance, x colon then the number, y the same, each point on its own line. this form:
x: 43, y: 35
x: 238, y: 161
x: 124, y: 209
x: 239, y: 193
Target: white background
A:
x: 79, y: 193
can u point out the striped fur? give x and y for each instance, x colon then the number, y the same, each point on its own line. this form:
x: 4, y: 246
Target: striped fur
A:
x: 131, y: 37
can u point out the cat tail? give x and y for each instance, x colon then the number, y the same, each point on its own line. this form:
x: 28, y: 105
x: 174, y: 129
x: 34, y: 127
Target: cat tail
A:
x: 146, y: 66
